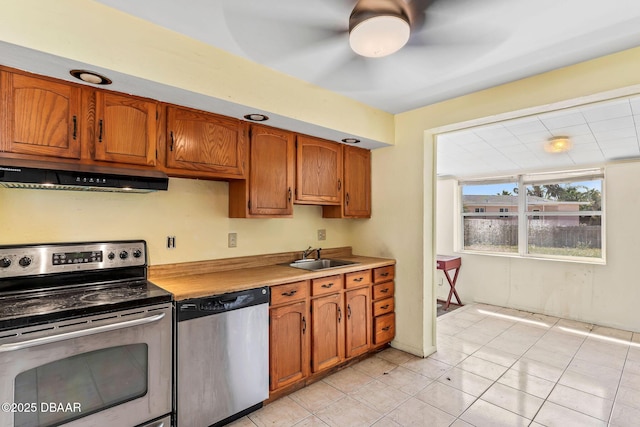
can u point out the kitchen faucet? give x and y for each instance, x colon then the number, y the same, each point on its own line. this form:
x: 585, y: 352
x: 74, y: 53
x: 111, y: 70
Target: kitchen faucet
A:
x: 308, y: 252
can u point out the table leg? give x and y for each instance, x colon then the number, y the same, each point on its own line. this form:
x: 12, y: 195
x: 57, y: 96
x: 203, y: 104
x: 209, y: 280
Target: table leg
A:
x: 452, y: 285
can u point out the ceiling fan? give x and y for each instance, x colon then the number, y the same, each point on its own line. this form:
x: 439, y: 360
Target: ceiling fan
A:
x: 315, y: 38
x: 379, y: 28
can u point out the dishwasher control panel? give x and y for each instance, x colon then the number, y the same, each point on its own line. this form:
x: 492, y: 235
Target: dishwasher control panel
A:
x: 206, y: 306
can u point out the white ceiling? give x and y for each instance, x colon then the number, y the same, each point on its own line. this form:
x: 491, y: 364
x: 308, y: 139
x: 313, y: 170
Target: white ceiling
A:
x: 600, y: 132
x: 463, y: 45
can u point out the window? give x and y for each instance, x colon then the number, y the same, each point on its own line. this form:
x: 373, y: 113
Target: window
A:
x: 551, y: 215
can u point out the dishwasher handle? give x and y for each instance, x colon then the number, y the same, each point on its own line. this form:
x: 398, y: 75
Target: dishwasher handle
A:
x: 216, y: 304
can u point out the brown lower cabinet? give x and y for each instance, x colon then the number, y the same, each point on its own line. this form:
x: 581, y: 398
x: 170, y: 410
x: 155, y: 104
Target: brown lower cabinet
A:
x: 320, y: 324
x: 327, y: 332
x: 289, y: 334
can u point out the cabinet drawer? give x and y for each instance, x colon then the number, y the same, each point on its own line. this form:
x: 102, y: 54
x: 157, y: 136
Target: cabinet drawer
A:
x: 357, y: 279
x: 281, y: 294
x: 383, y: 306
x: 382, y: 274
x: 383, y: 290
x: 384, y: 328
x: 326, y: 285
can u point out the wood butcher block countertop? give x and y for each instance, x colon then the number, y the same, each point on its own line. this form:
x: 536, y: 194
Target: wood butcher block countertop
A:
x: 203, y: 278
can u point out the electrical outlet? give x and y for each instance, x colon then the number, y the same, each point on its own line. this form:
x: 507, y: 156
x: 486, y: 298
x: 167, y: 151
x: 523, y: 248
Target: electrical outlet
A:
x: 171, y: 242
x: 322, y: 234
x: 233, y: 240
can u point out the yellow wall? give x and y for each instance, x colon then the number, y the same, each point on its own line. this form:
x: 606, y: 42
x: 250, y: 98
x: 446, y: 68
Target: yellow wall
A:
x: 403, y: 224
x: 194, y: 211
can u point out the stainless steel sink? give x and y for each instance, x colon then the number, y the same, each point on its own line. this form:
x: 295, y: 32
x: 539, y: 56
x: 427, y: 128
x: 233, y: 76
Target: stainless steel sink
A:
x: 319, y: 264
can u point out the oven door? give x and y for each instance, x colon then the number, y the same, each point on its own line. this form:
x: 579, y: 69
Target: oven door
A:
x: 106, y: 370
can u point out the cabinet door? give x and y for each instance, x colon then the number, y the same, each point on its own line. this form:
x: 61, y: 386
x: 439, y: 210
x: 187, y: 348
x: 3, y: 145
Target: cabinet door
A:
x: 271, y: 173
x: 289, y: 344
x: 319, y: 171
x: 358, y: 324
x: 327, y: 332
x: 125, y: 129
x: 39, y: 117
x: 357, y: 182
x: 205, y: 142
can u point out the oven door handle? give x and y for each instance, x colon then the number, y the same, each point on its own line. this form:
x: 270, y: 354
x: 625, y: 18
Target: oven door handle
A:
x: 81, y: 333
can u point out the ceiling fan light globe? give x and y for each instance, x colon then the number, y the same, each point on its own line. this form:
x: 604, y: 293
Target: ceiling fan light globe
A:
x: 379, y: 36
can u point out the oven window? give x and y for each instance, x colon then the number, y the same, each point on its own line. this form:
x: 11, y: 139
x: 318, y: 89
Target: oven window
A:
x: 80, y: 385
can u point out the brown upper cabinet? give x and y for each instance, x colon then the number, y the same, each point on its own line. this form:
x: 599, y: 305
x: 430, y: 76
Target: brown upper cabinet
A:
x: 357, y: 186
x: 39, y: 117
x: 269, y: 190
x: 205, y: 142
x: 319, y: 171
x: 125, y: 129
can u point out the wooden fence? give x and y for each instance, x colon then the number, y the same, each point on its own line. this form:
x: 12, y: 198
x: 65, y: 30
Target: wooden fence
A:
x: 504, y: 232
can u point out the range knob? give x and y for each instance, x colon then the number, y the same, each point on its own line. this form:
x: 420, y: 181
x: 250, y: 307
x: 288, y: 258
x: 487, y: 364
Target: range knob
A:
x: 137, y: 253
x: 5, y: 262
x: 25, y: 261
x: 124, y: 255
x: 111, y: 255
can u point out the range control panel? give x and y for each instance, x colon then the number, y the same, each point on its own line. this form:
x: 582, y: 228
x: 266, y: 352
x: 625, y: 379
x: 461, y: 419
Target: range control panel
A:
x: 29, y: 260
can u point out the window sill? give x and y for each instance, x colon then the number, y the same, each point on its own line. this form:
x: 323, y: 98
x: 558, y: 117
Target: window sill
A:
x: 573, y: 260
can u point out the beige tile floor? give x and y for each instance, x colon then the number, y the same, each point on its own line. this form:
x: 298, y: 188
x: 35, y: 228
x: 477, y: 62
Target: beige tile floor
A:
x: 494, y: 367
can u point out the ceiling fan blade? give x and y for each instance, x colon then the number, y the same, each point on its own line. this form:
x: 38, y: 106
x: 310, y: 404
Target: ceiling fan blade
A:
x: 281, y: 33
x: 349, y: 73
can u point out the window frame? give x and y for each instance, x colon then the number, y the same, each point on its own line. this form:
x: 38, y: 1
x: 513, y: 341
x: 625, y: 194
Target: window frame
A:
x: 524, y: 216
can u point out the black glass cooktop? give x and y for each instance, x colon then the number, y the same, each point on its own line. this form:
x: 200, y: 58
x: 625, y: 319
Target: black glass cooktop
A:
x: 49, y: 305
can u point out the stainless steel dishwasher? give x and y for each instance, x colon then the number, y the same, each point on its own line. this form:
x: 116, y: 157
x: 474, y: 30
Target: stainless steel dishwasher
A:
x: 222, y: 357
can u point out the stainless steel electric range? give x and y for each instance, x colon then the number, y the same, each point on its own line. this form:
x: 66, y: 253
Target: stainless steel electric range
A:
x: 85, y: 338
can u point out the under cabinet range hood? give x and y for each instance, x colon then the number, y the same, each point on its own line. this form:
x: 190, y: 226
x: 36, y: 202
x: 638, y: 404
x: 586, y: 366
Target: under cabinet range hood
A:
x: 16, y: 173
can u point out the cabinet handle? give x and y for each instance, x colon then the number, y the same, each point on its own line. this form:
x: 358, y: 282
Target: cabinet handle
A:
x: 386, y: 328
x: 100, y: 131
x: 358, y: 279
x: 290, y: 293
x: 327, y: 285
x: 348, y: 311
x: 339, y: 314
x: 75, y: 127
x: 339, y: 184
x: 384, y: 291
x: 347, y: 198
x: 289, y: 194
x: 384, y: 307
x: 304, y: 325
x: 385, y: 274
x: 171, y: 145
